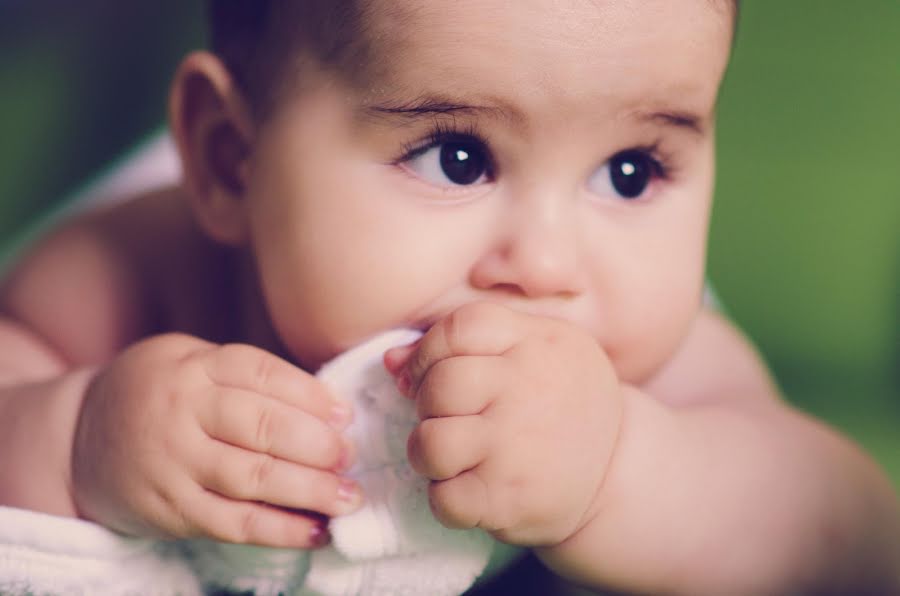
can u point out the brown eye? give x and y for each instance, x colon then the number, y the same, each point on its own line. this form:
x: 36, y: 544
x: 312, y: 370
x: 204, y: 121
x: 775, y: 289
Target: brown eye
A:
x: 460, y: 161
x: 630, y: 173
x: 463, y: 162
x: 627, y: 174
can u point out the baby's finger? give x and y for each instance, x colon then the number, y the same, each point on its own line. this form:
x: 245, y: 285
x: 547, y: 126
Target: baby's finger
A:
x: 461, y: 386
x: 441, y: 448
x: 395, y: 358
x: 247, y: 522
x: 477, y: 329
x: 252, y: 369
x: 243, y: 475
x: 460, y: 502
x: 266, y: 425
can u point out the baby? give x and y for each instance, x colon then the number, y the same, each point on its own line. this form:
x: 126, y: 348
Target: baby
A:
x: 528, y: 184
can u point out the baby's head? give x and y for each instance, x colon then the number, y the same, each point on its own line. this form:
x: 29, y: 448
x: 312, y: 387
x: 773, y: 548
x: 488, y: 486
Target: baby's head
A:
x: 387, y: 161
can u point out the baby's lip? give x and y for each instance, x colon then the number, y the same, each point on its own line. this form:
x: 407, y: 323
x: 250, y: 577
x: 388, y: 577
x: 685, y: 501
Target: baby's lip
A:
x: 562, y: 313
x: 424, y: 325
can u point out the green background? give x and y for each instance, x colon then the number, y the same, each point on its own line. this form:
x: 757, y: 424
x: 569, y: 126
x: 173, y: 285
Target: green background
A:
x: 805, y: 241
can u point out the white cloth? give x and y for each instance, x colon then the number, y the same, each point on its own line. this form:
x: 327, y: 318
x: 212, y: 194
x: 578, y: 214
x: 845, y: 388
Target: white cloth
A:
x: 46, y: 555
x: 392, y: 545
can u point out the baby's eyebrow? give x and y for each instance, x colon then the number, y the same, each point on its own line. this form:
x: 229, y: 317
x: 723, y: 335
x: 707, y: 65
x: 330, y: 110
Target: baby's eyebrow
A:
x: 429, y: 107
x: 410, y: 111
x: 677, y: 119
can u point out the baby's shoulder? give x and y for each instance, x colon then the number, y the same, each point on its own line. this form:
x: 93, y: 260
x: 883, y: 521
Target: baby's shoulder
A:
x: 103, y: 279
x: 715, y: 361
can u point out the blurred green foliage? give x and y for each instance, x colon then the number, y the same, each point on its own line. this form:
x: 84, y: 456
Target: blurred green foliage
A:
x: 805, y: 241
x: 80, y: 82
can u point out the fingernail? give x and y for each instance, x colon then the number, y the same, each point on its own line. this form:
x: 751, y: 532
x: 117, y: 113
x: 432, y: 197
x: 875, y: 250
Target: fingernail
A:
x: 349, y: 495
x: 396, y: 357
x: 391, y: 360
x: 348, y: 456
x: 341, y: 414
x: 318, y: 535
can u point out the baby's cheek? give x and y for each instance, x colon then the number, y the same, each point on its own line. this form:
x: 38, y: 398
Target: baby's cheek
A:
x: 646, y: 344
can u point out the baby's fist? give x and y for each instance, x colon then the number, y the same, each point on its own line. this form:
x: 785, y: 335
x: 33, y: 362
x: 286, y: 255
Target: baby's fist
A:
x: 519, y: 418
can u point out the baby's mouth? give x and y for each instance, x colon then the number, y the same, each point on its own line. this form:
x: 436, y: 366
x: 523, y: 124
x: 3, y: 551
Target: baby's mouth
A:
x: 422, y: 326
x: 559, y: 312
x: 427, y: 322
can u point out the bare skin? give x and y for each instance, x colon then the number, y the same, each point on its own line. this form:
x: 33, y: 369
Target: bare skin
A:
x: 43, y: 373
x: 120, y: 311
x: 575, y: 396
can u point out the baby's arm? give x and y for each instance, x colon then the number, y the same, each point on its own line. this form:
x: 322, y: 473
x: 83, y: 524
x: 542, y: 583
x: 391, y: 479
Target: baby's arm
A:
x: 104, y: 417
x: 63, y: 312
x: 700, y: 482
x: 716, y: 486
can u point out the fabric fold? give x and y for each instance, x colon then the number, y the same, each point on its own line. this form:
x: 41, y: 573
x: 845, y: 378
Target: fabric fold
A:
x: 391, y: 545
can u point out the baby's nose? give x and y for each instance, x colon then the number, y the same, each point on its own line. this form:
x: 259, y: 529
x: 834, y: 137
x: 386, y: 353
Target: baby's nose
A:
x: 536, y: 255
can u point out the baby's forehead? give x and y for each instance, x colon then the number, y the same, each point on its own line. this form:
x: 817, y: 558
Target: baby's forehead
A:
x: 574, y: 51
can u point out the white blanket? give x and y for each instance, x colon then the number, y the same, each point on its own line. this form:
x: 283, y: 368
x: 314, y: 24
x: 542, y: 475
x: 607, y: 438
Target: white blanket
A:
x: 392, y: 545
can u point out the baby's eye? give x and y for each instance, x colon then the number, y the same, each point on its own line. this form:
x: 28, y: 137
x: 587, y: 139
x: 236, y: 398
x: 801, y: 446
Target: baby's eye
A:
x: 461, y: 161
x: 627, y: 174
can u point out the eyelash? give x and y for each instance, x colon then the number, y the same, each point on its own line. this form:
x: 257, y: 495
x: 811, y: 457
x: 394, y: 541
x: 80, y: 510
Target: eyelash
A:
x: 444, y: 132
x: 660, y: 160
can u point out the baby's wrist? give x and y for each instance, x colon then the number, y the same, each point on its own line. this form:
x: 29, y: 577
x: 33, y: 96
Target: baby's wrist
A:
x: 38, y: 445
x: 81, y: 382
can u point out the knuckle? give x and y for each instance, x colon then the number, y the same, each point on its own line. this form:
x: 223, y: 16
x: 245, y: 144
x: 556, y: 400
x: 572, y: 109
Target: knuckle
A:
x: 449, y: 506
x: 225, y: 478
x: 507, y: 507
x: 416, y: 454
x: 266, y: 423
x: 167, y: 511
x: 464, y: 328
x: 244, y: 527
x: 211, y: 364
x: 434, y: 386
x: 442, y: 373
x: 170, y: 444
x: 182, y: 527
x: 418, y: 363
x: 261, y: 472
x: 184, y: 367
x: 430, y: 437
x: 187, y: 361
x: 222, y: 362
x: 459, y: 325
x: 263, y: 369
x: 438, y: 506
x: 228, y: 353
x: 329, y: 450
x: 432, y: 450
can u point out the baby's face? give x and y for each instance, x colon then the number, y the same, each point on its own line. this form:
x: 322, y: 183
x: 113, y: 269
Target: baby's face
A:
x: 556, y: 157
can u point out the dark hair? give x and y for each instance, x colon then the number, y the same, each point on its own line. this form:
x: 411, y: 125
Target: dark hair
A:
x: 257, y: 39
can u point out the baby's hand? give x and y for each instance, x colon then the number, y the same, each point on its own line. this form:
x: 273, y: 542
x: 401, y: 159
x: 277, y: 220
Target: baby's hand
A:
x: 179, y: 437
x: 519, y: 417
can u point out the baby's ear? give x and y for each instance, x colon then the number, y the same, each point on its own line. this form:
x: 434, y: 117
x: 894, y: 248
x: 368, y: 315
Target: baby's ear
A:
x: 213, y: 129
